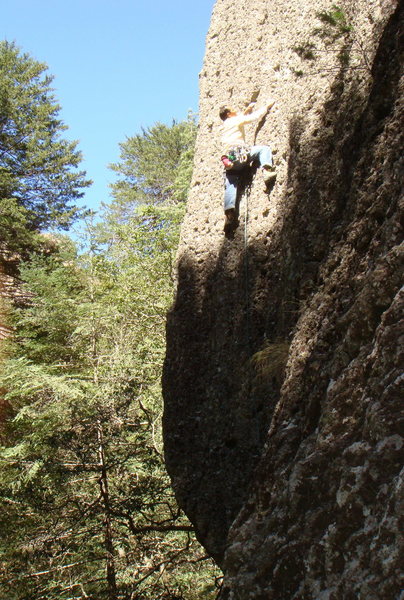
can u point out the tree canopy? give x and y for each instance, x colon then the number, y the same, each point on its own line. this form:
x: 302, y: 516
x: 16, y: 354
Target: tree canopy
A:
x: 40, y: 178
x: 86, y: 507
x: 156, y: 165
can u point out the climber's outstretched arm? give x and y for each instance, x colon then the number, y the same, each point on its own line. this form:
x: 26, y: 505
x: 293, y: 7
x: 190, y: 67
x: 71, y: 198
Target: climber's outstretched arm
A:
x: 249, y: 108
x: 257, y: 114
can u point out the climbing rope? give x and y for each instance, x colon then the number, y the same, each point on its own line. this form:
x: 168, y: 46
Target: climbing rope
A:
x: 246, y: 269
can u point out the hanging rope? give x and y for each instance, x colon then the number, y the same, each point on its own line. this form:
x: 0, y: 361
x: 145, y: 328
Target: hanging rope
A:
x: 247, y: 190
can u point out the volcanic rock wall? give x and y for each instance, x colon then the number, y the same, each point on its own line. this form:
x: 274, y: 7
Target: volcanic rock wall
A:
x: 282, y: 373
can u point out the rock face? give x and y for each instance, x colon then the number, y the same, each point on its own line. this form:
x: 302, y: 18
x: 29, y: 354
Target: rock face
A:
x: 282, y: 374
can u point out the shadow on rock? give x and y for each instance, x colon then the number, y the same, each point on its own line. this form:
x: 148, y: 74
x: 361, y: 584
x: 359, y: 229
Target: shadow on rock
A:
x: 228, y: 310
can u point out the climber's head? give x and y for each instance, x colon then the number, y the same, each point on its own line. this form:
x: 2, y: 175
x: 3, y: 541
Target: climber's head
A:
x: 225, y: 112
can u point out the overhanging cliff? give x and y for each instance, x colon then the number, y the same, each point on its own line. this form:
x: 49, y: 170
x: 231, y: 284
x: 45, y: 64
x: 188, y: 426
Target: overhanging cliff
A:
x: 282, y: 373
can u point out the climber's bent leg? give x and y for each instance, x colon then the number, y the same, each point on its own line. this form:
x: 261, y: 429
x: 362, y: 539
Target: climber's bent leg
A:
x: 262, y: 154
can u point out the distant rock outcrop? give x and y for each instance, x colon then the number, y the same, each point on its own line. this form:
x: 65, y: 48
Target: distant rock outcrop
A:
x: 282, y: 376
x: 10, y: 292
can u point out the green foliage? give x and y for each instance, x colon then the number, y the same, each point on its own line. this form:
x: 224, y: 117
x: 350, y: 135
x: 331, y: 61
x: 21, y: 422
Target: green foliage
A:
x: 335, y: 24
x: 37, y: 167
x: 86, y: 507
x: 55, y: 287
x: 336, y: 28
x: 84, y: 386
x: 15, y: 232
x: 305, y: 50
x: 334, y: 35
x: 155, y: 166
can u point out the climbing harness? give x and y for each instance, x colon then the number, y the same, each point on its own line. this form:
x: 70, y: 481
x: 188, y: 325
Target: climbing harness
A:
x: 227, y: 163
x: 236, y: 157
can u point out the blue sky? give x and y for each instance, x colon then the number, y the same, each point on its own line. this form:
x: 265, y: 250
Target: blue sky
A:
x: 118, y: 66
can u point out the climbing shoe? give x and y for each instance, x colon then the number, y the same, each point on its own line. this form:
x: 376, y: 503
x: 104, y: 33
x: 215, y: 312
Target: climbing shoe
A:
x: 231, y: 221
x: 269, y: 176
x: 230, y: 216
x: 269, y: 173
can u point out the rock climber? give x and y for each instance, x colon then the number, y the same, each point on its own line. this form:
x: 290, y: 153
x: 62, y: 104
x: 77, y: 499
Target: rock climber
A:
x: 237, y: 155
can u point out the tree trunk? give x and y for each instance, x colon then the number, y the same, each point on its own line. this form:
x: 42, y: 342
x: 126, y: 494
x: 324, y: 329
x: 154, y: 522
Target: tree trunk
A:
x: 108, y: 534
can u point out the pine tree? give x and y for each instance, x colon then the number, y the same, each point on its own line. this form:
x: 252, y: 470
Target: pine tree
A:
x: 155, y: 166
x: 39, y: 180
x: 87, y: 508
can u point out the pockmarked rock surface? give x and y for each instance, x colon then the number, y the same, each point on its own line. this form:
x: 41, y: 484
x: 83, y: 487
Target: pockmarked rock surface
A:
x: 284, y: 344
